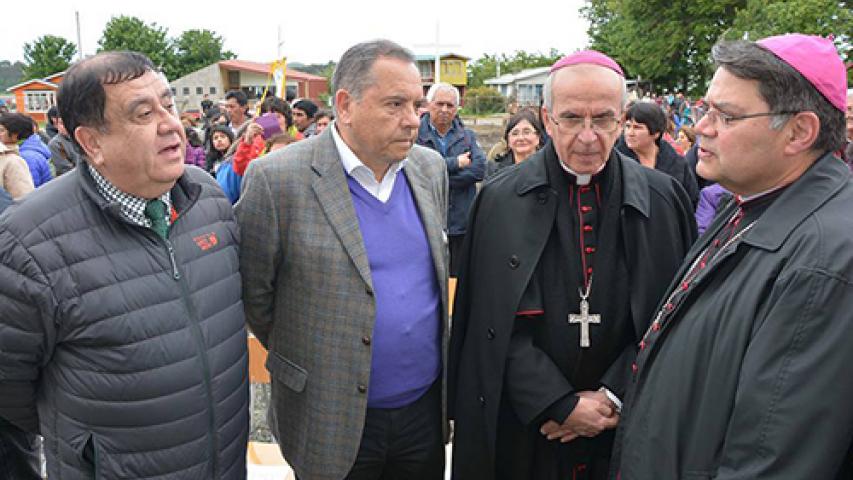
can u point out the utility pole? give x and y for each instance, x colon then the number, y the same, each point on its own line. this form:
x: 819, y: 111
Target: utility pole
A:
x: 438, y: 46
x: 79, y: 42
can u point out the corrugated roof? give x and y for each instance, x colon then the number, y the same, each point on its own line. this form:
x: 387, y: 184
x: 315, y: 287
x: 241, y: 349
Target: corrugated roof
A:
x: 264, y: 68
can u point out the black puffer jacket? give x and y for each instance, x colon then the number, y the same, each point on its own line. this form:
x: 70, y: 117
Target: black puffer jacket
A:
x: 132, y: 348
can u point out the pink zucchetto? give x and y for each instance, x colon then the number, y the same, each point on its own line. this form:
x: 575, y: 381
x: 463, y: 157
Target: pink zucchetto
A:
x: 816, y: 59
x: 591, y: 57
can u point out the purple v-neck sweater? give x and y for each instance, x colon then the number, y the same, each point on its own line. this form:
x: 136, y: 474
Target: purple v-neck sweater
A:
x: 406, y: 335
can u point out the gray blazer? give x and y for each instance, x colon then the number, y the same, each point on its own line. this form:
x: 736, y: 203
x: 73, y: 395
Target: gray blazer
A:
x: 308, y: 294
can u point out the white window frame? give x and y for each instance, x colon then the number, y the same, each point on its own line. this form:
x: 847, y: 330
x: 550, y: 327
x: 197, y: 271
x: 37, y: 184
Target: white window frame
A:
x: 39, y: 101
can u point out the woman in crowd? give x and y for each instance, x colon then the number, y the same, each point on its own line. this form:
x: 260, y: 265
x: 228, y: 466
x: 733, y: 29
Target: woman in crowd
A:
x: 15, y: 176
x: 17, y: 132
x: 195, y: 150
x: 685, y: 140
x: 523, y: 137
x: 221, y: 138
x: 645, y: 125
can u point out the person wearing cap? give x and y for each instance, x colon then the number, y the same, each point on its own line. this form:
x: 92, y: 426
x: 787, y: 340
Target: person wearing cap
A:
x: 303, y: 117
x: 564, y: 262
x: 745, y: 371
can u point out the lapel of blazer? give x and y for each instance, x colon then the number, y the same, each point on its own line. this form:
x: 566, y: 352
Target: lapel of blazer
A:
x: 431, y: 217
x: 335, y: 200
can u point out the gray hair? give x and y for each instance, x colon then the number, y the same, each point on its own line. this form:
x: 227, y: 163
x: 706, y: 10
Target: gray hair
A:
x: 548, y: 98
x: 439, y: 87
x: 783, y: 89
x: 353, y: 71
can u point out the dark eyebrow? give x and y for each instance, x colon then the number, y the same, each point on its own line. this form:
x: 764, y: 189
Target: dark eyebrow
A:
x: 166, y: 94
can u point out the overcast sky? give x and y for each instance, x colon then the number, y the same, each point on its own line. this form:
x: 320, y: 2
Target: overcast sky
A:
x: 317, y: 31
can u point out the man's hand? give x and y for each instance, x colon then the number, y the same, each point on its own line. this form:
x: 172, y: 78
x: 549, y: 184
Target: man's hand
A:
x: 252, y: 131
x: 600, y: 396
x: 464, y: 160
x: 590, y: 417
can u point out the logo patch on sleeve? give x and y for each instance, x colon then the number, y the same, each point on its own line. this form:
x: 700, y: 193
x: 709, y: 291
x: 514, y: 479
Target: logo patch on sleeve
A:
x: 206, y: 241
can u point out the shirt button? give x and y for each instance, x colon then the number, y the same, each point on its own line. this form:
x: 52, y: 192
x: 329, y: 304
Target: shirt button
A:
x: 634, y: 368
x: 482, y: 400
x: 589, y: 250
x: 685, y: 286
x: 655, y: 326
x: 669, y: 307
x: 586, y: 209
x: 514, y: 262
x: 365, y: 340
x: 587, y: 228
x: 490, y: 334
x: 362, y: 388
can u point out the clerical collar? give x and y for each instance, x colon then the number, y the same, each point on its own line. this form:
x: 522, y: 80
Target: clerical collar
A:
x: 581, y: 178
x: 753, y: 199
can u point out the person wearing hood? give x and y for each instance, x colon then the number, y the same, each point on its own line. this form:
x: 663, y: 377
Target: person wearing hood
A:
x: 645, y: 125
x: 443, y: 131
x: 17, y: 131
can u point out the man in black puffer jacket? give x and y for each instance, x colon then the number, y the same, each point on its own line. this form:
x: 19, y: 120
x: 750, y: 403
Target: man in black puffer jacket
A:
x: 122, y: 337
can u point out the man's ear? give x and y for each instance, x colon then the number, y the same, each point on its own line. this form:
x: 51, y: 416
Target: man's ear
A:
x: 343, y: 107
x: 802, y: 131
x: 90, y: 141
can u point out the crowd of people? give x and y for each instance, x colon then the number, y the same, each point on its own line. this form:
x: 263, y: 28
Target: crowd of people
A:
x: 611, y: 320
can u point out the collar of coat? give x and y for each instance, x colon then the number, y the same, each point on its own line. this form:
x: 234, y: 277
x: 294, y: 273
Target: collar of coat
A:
x: 531, y: 174
x: 184, y: 193
x: 456, y: 132
x: 815, y: 187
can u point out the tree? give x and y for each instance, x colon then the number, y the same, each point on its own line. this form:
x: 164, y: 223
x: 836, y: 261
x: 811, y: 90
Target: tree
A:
x: 818, y: 17
x: 47, y: 55
x: 665, y: 41
x: 486, y: 66
x: 10, y: 74
x: 668, y: 42
x: 196, y: 49
x: 131, y: 33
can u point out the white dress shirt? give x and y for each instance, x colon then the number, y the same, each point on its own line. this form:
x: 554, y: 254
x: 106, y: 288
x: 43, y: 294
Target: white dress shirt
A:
x: 364, y: 175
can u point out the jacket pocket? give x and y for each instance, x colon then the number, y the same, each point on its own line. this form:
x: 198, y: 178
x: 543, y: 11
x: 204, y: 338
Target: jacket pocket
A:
x: 290, y: 374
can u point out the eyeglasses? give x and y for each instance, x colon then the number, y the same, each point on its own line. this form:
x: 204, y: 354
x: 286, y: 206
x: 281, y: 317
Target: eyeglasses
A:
x: 573, y: 125
x: 522, y: 133
x: 719, y: 118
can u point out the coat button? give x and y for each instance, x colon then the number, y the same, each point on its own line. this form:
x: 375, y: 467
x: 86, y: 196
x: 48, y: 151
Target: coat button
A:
x: 362, y: 388
x: 365, y: 340
x: 368, y: 291
x: 490, y: 334
x: 542, y: 198
x: 482, y: 400
x: 514, y: 262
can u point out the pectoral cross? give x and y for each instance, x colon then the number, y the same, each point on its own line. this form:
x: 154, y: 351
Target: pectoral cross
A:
x: 584, y: 319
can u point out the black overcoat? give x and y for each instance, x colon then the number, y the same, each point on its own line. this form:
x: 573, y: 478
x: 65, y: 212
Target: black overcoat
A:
x: 750, y: 377
x: 510, y: 222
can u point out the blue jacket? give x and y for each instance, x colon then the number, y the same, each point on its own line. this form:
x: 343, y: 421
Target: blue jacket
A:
x: 463, y: 181
x: 36, y: 153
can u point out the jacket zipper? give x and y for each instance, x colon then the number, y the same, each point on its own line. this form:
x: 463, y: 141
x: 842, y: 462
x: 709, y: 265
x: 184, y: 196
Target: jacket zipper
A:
x: 199, y: 339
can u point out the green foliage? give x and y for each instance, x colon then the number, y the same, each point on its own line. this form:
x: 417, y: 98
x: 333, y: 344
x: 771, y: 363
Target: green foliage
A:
x: 669, y: 42
x: 10, y: 74
x: 47, y: 55
x: 176, y: 57
x: 483, y: 99
x: 665, y: 42
x: 130, y: 33
x: 818, y: 17
x: 485, y: 67
x: 196, y: 49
